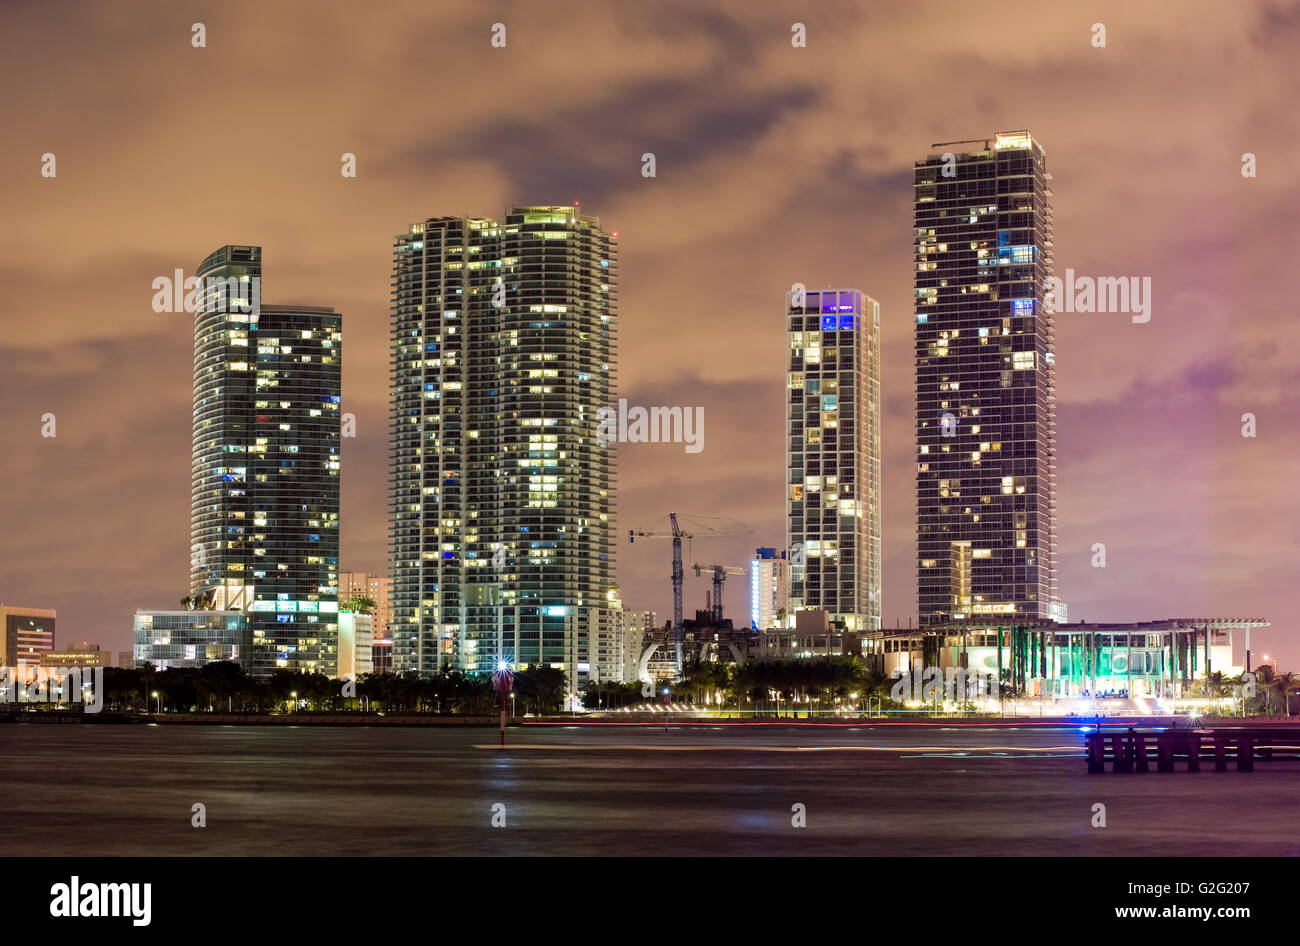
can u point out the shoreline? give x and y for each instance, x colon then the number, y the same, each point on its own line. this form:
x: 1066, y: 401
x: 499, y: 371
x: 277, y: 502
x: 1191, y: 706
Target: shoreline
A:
x: 644, y: 721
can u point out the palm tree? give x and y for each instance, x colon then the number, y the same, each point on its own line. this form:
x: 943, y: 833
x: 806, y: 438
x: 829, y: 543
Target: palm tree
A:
x: 1266, y: 680
x: 359, y: 604
x: 1283, y: 682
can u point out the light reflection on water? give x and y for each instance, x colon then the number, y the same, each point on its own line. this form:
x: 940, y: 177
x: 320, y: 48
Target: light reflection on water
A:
x: 88, y: 790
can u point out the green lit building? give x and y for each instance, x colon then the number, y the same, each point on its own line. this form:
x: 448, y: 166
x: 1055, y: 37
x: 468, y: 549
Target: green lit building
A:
x: 1043, y: 658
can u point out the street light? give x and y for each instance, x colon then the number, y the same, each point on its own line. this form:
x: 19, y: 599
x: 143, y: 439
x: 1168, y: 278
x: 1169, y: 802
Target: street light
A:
x: 294, y: 694
x: 156, y: 697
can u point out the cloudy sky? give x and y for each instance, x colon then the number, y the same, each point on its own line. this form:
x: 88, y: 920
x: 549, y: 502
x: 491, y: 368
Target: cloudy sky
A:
x: 775, y: 164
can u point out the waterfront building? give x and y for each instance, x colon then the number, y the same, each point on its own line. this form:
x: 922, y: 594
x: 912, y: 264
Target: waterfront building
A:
x: 833, y: 455
x: 191, y: 638
x: 265, y: 478
x: 985, y: 388
x: 501, y: 493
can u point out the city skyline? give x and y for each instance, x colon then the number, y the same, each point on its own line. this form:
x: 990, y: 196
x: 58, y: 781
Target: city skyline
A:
x: 1173, y: 495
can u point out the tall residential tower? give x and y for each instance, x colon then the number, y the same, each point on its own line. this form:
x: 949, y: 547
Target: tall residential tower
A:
x: 264, y: 514
x: 985, y: 412
x: 501, y: 495
x: 833, y: 455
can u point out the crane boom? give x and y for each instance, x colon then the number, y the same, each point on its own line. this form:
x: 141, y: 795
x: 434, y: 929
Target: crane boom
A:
x: 698, y: 526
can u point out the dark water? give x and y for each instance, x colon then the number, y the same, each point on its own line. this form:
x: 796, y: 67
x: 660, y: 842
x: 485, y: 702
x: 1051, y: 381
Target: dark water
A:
x: 112, y: 790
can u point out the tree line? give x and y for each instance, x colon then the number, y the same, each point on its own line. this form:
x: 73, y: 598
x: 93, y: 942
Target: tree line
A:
x: 224, y: 686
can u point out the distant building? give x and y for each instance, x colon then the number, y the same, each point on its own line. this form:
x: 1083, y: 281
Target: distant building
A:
x: 126, y: 660
x: 833, y: 455
x: 381, y: 655
x: 78, y: 655
x: 191, y: 638
x: 378, y: 589
x: 356, y: 640
x: 769, y: 588
x: 27, y: 633
x: 605, y: 649
x: 638, y: 627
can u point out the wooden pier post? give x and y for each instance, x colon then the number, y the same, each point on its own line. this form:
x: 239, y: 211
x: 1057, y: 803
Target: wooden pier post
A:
x: 1096, y: 753
x: 1119, y: 751
x: 1193, y: 752
x: 1165, y: 752
x: 1220, y: 752
x: 1245, y: 754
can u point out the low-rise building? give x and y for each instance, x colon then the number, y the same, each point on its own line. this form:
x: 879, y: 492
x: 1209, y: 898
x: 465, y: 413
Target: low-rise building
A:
x: 77, y: 655
x: 25, y: 634
x: 191, y: 638
x: 356, y: 644
x: 1037, y: 657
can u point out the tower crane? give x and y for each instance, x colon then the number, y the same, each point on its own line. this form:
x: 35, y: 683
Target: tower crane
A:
x: 697, y: 526
x: 720, y: 573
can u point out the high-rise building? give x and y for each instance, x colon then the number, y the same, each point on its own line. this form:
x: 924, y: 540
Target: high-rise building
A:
x: 985, y: 414
x: 265, y: 483
x: 769, y: 588
x: 25, y: 634
x: 833, y: 456
x: 503, y: 352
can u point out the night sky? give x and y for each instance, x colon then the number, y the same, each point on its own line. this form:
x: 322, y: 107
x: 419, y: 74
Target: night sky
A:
x: 774, y: 165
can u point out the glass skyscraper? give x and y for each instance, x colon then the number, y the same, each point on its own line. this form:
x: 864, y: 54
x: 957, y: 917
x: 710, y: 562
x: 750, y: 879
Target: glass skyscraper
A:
x: 833, y: 455
x: 985, y: 394
x: 503, y: 351
x: 264, y: 521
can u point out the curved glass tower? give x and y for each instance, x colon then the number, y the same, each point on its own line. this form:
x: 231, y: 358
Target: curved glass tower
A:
x: 504, y: 336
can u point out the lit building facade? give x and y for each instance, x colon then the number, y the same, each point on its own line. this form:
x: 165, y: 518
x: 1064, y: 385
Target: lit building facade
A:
x: 191, y: 638
x: 1138, y: 660
x: 377, y: 588
x: 638, y: 629
x: 985, y: 388
x: 769, y: 588
x: 26, y: 634
x: 356, y: 644
x: 84, y: 654
x: 833, y: 456
x: 503, y: 351
x: 265, y: 480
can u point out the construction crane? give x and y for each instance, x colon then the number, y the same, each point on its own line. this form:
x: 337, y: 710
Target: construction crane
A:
x: 720, y: 573
x: 697, y: 526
